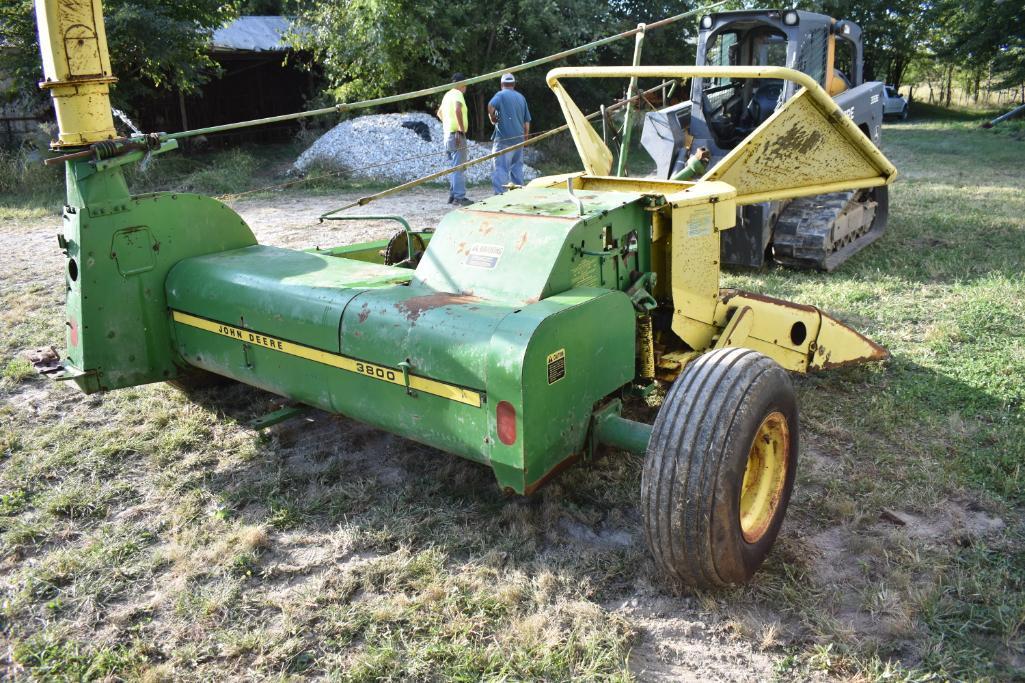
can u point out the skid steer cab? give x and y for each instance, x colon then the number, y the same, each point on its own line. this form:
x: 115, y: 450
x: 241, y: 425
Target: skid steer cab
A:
x: 820, y: 231
x: 508, y: 335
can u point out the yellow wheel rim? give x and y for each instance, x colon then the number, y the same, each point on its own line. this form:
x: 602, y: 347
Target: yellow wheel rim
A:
x: 764, y: 476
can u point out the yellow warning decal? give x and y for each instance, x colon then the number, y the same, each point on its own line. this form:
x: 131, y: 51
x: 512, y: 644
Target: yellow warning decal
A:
x: 381, y: 372
x: 556, y: 366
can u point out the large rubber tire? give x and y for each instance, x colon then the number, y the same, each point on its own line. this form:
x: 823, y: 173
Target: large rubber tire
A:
x: 694, y: 473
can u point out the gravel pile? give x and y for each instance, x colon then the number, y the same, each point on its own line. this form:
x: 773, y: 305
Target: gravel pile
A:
x: 379, y: 147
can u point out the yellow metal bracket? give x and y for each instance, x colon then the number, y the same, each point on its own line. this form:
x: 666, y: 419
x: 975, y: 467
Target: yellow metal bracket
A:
x: 594, y: 154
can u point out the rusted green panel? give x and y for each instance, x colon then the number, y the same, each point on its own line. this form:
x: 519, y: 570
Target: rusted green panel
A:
x: 529, y: 244
x: 549, y: 361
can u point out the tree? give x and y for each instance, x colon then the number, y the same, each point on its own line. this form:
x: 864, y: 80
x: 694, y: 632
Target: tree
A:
x: 892, y: 32
x: 370, y: 48
x: 154, y: 45
x: 979, y: 36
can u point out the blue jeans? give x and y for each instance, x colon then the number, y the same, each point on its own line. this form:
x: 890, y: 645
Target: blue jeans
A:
x: 508, y: 167
x: 455, y: 149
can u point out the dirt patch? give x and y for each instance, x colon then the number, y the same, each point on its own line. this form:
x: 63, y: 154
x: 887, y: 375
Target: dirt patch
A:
x: 677, y: 641
x: 292, y: 220
x: 950, y: 521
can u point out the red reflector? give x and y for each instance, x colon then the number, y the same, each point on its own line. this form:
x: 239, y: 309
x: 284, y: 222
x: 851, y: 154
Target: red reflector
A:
x: 74, y: 332
x: 506, y: 423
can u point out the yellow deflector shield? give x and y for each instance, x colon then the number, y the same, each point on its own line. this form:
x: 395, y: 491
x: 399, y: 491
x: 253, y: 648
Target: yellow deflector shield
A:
x: 802, y: 149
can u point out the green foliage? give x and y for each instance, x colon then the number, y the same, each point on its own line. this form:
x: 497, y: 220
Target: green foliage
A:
x: 155, y: 45
x: 891, y: 31
x: 370, y: 48
x: 981, y: 35
x: 17, y: 370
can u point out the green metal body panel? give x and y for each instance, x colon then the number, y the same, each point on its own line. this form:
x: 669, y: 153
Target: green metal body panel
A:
x: 507, y: 322
x: 498, y: 351
x: 263, y: 288
x: 529, y: 244
x: 119, y: 251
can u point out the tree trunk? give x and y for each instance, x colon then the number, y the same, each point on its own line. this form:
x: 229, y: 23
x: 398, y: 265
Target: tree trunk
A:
x: 480, y: 106
x: 950, y: 79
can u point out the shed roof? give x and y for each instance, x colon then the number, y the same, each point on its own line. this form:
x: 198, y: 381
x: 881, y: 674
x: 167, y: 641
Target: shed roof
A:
x: 252, y: 34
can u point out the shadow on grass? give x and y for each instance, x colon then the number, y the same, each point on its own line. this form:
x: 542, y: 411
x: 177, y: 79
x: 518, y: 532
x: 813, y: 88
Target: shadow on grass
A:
x: 916, y: 435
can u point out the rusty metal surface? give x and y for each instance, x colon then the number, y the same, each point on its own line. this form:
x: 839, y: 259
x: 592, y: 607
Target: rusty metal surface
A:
x: 819, y: 116
x: 798, y: 151
x: 414, y: 307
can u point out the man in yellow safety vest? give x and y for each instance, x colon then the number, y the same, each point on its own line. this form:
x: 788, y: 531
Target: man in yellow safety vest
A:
x: 454, y: 121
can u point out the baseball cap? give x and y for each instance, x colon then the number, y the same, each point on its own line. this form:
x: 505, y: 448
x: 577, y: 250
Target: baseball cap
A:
x: 458, y: 76
x: 508, y: 78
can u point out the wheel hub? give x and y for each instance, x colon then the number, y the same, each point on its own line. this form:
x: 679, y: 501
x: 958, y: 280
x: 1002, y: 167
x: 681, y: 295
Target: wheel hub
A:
x: 764, y: 476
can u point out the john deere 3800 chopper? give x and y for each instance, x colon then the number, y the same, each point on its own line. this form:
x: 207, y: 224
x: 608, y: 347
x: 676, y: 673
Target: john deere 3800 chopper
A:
x: 512, y: 338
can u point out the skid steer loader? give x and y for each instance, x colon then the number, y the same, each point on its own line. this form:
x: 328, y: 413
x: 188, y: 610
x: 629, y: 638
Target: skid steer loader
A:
x: 813, y: 232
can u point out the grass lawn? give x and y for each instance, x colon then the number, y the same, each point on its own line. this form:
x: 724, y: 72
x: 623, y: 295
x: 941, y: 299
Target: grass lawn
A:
x: 147, y: 534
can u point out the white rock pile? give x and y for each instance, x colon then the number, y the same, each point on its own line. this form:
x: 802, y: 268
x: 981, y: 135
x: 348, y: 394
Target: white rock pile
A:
x: 378, y: 147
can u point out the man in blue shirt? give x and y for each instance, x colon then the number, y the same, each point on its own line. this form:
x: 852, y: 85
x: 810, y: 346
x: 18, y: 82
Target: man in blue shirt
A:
x: 509, y: 112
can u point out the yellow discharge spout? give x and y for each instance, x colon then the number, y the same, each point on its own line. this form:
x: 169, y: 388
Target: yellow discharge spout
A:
x: 76, y: 70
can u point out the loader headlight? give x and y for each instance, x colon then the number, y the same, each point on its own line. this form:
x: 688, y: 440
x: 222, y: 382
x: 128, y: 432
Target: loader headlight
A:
x: 706, y: 21
x: 790, y: 18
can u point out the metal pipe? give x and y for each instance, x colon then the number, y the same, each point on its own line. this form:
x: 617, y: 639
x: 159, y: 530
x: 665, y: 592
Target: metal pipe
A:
x: 352, y: 106
x: 613, y: 430
x: 329, y: 216
x: 76, y: 70
x: 631, y: 91
x: 575, y: 199
x: 1009, y: 115
x: 824, y: 188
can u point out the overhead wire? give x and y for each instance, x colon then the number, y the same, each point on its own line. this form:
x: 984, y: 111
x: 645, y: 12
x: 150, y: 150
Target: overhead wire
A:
x: 471, y: 162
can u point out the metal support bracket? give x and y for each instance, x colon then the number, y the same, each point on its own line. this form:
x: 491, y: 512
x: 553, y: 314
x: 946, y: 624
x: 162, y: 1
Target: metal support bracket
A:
x: 277, y: 417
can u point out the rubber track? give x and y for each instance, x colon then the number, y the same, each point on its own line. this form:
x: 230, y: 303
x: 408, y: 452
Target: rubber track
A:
x: 681, y: 467
x: 803, y: 235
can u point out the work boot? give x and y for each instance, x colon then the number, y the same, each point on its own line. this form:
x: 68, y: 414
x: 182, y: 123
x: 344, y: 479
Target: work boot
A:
x: 451, y: 199
x: 462, y: 201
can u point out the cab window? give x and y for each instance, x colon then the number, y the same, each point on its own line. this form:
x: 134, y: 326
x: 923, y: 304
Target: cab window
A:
x: 843, y: 59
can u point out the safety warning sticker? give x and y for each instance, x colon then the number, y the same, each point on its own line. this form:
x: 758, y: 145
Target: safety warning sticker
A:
x: 484, y: 255
x: 556, y: 366
x: 699, y: 222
